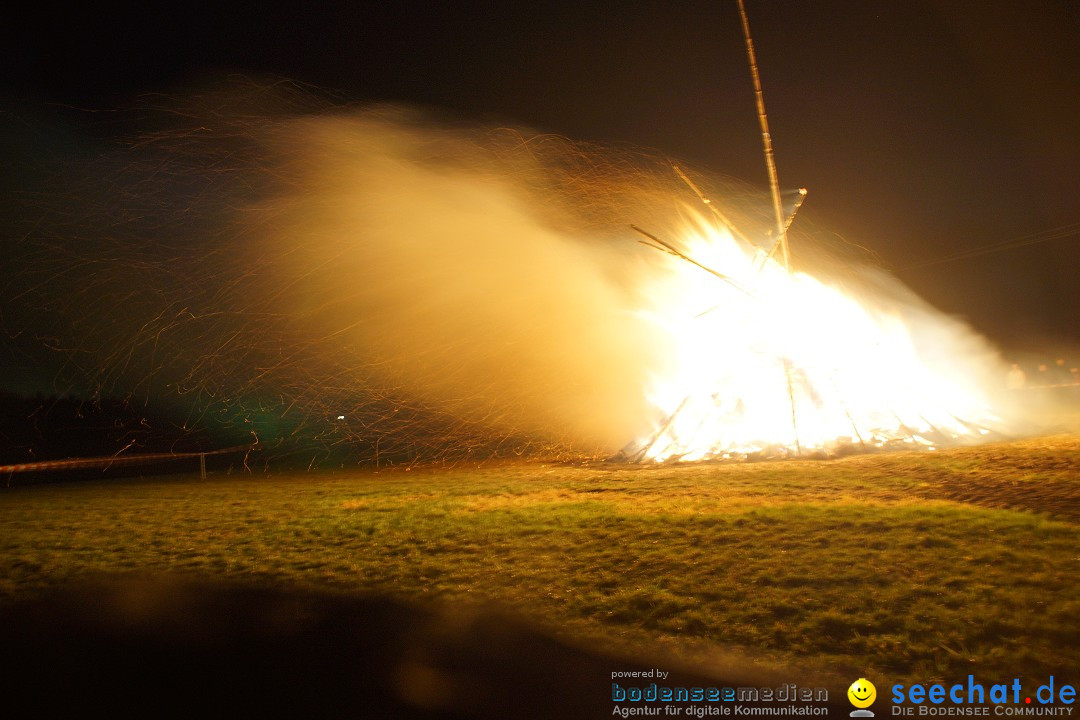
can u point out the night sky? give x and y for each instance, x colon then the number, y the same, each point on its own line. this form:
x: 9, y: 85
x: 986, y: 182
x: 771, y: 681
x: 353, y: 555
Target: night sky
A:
x: 922, y: 129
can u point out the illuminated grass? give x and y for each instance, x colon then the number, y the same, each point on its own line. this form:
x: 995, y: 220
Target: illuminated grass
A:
x: 909, y: 565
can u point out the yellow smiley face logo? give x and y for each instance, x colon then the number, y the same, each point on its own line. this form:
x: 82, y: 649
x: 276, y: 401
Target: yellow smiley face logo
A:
x: 862, y: 693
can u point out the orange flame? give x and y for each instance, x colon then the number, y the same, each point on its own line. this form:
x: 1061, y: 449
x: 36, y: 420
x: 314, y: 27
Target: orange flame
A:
x: 782, y: 362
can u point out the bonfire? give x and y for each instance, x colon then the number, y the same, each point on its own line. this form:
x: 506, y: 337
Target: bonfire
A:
x: 770, y: 361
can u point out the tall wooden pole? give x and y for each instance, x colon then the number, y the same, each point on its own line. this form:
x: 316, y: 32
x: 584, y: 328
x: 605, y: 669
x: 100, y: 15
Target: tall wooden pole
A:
x: 770, y: 159
x: 774, y: 185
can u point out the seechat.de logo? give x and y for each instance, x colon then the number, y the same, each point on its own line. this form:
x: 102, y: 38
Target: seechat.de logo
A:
x: 862, y: 695
x: 975, y: 698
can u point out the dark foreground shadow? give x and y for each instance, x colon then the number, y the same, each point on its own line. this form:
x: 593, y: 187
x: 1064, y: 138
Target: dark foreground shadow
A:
x: 192, y: 648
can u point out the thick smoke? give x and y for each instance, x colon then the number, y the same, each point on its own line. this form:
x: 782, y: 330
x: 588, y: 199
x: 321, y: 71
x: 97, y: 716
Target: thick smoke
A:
x: 366, y: 278
x: 425, y: 263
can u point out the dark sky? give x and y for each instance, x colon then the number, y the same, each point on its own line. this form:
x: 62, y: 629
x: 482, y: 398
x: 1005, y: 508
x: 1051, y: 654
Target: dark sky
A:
x: 922, y: 129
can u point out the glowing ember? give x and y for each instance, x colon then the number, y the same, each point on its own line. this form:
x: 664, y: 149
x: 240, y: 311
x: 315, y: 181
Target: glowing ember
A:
x: 368, y: 286
x: 777, y: 361
x: 769, y: 359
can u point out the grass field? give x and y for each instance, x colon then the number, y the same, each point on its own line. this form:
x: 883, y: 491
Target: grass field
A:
x: 922, y: 566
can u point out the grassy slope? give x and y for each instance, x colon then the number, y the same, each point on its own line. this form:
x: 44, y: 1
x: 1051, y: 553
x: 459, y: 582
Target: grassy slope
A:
x: 919, y: 565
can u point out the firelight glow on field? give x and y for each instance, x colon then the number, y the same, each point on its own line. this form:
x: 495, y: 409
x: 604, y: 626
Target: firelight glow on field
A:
x: 854, y: 372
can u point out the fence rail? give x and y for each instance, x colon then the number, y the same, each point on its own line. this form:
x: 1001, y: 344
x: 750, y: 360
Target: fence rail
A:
x: 113, y: 460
